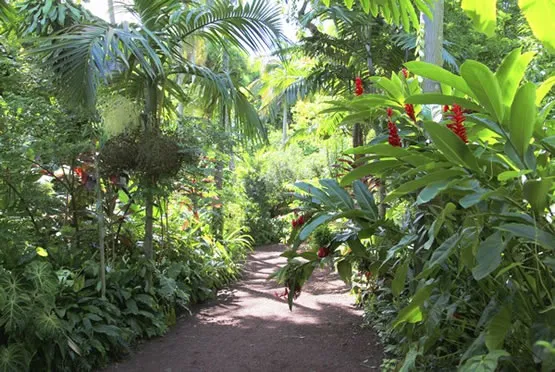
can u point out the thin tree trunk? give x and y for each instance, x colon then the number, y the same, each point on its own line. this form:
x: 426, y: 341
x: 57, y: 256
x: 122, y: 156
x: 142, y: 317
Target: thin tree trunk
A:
x: 151, y: 102
x: 218, y: 223
x: 285, y: 123
x: 382, y: 190
x: 111, y: 11
x: 433, y: 42
x: 101, y: 231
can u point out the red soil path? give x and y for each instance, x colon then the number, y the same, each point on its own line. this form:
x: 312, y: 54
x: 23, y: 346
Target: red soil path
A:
x: 247, y: 328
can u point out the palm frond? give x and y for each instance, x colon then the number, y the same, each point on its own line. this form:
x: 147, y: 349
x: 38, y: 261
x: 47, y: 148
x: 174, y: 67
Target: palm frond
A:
x: 255, y: 25
x: 6, y: 12
x: 83, y: 56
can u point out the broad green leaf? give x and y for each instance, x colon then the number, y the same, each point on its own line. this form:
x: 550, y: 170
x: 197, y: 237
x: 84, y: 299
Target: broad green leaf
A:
x: 509, y: 175
x: 344, y: 268
x: 488, y: 257
x: 436, y: 73
x: 41, y: 252
x: 348, y: 3
x: 318, y: 196
x: 540, y: 15
x: 543, y: 89
x: 483, y: 363
x: 326, y: 2
x: 393, y: 90
x: 485, y: 87
x: 374, y: 169
x: 410, y: 360
x: 332, y: 188
x: 443, y: 251
x: 454, y: 149
x: 431, y: 191
x: 511, y: 72
x: 523, y: 117
x: 365, y: 198
x: 314, y: 223
x: 483, y: 14
x: 497, y: 329
x: 421, y: 182
x: 412, y: 312
x: 398, y: 282
x: 365, y: 4
x: 486, y: 123
x: 531, y: 234
x: 537, y: 194
x: 357, y: 248
x: 549, y: 142
x: 442, y: 99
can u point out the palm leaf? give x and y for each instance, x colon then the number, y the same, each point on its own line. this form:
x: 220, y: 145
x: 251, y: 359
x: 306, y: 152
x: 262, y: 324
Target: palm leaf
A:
x: 83, y: 56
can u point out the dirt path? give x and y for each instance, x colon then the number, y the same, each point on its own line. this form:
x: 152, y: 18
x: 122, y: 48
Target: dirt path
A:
x: 249, y: 329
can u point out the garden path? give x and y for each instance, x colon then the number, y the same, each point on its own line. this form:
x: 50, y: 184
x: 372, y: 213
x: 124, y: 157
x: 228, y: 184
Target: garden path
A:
x: 248, y: 328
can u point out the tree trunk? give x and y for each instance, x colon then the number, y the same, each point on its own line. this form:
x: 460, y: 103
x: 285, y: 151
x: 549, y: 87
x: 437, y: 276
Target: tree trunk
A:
x: 151, y: 124
x: 101, y: 231
x: 285, y: 123
x: 433, y: 42
x: 382, y: 190
x: 111, y: 11
x: 218, y: 222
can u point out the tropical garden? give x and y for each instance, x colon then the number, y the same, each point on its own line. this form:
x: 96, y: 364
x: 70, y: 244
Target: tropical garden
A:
x: 408, y: 145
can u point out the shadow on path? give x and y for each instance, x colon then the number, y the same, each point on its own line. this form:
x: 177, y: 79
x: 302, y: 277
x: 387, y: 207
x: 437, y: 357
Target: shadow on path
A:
x: 247, y: 328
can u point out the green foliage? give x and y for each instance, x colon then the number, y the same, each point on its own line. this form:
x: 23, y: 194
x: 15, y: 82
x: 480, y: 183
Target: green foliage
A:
x: 467, y: 267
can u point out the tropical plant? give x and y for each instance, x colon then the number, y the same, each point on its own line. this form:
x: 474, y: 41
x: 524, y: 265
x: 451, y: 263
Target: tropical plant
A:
x: 473, y: 251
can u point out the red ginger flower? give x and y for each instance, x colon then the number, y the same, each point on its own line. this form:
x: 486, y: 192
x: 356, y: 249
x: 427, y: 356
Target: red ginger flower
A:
x: 359, y: 89
x: 323, y: 252
x: 446, y: 108
x: 409, y: 109
x: 457, y: 126
x: 389, y: 112
x: 394, y: 139
x: 405, y: 73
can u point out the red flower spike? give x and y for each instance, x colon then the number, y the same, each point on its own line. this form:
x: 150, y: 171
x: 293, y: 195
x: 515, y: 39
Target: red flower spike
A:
x: 389, y: 112
x: 359, y: 89
x: 368, y: 274
x: 323, y: 252
x: 457, y: 126
x: 300, y: 221
x: 294, y: 223
x: 405, y: 73
x: 409, y: 109
x: 446, y: 108
x: 394, y: 139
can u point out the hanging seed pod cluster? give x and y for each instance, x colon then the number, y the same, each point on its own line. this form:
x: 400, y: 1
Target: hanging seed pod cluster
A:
x: 154, y: 155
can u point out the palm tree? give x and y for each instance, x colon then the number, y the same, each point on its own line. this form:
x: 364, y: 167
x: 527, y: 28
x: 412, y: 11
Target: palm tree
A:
x: 278, y: 87
x: 143, y: 60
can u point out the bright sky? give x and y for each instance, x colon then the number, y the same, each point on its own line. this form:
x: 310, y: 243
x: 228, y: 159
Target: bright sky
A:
x: 100, y: 9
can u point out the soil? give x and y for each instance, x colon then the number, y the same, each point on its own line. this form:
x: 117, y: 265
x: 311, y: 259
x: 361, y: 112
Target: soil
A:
x: 249, y: 328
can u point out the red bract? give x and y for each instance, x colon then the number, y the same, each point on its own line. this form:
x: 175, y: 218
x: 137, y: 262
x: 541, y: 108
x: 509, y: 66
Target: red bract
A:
x: 359, y: 89
x: 323, y: 252
x: 394, y: 139
x: 294, y: 223
x: 458, y: 123
x: 405, y: 73
x: 389, y: 112
x: 300, y: 221
x: 409, y: 109
x: 368, y: 274
x: 446, y: 108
